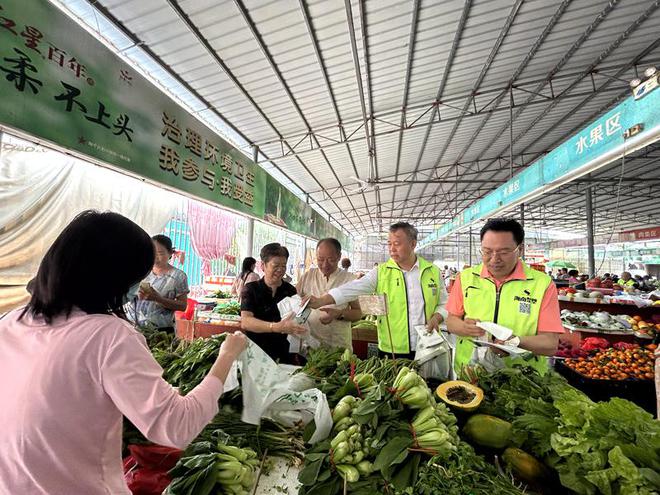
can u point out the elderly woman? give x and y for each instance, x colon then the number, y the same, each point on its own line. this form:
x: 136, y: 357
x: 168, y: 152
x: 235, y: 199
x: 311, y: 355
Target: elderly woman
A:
x: 260, y: 316
x: 71, y: 366
x: 163, y: 291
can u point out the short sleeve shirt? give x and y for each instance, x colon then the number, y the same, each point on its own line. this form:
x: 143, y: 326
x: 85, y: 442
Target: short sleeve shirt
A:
x: 170, y: 285
x: 258, y: 298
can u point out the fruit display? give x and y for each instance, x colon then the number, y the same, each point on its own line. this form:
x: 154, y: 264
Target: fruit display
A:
x: 596, y: 295
x: 568, y: 350
x: 601, y: 320
x: 644, y: 328
x: 616, y: 364
x: 597, y: 282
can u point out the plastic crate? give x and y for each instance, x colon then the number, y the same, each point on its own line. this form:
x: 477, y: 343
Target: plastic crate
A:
x: 641, y: 392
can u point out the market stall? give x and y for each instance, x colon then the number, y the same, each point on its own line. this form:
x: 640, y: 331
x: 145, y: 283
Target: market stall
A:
x: 510, y: 432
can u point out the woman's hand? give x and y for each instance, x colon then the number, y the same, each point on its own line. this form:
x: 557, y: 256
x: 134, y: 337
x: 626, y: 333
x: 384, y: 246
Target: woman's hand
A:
x: 289, y: 326
x: 148, y: 294
x: 233, y: 345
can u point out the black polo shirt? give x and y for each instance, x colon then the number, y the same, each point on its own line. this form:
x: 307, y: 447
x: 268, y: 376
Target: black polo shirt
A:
x: 258, y: 298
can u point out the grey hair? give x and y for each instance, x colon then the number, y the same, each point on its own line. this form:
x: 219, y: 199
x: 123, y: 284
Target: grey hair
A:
x: 410, y: 231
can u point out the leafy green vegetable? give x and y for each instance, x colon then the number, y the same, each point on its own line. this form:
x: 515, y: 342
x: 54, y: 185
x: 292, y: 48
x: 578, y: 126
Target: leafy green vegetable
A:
x: 463, y: 473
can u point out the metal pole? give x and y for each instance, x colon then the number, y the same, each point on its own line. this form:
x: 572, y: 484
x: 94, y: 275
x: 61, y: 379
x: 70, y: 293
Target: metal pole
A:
x: 590, y: 234
x: 470, y: 242
x: 522, y: 222
x: 250, y: 226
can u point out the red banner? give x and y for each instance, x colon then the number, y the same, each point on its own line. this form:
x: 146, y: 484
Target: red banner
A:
x: 641, y: 234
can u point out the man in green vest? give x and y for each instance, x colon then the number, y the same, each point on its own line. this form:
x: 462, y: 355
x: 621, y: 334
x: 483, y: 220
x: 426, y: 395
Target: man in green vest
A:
x: 627, y: 282
x: 414, y: 289
x: 504, y: 290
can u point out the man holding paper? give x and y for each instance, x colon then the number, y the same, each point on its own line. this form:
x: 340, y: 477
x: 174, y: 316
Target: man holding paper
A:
x: 504, y: 290
x: 414, y: 289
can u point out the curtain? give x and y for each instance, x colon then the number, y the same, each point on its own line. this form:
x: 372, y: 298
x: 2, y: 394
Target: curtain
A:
x: 211, y: 232
x: 41, y: 190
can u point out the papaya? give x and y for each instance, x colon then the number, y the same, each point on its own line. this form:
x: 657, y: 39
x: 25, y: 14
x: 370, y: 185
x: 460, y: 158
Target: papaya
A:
x: 524, y: 466
x: 488, y: 431
x: 460, y: 394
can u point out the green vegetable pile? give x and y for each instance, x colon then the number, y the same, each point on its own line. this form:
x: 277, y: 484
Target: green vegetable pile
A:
x: 267, y: 437
x: 366, y: 323
x: 380, y: 440
x: 190, y: 362
x: 221, y: 294
x: 207, y: 468
x: 228, y: 308
x: 607, y: 448
x: 337, y: 372
x: 463, y: 473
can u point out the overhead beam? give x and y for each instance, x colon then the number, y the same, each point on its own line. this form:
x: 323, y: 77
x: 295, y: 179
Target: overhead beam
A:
x: 609, y: 49
x: 324, y: 71
x: 475, y: 87
x: 247, y: 18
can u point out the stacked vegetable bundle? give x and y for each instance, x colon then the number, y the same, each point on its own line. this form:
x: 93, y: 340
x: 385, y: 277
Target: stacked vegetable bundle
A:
x: 381, y: 439
x: 206, y: 468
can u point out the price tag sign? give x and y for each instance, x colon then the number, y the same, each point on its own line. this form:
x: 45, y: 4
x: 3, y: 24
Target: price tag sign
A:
x: 373, y: 305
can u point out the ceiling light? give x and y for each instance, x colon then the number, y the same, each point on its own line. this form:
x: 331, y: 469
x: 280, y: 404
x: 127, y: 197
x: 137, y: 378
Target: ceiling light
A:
x: 650, y: 71
x: 635, y: 82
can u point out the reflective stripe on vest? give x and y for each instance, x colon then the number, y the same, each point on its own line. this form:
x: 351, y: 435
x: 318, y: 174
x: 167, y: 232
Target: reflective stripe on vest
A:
x: 393, y: 285
x: 517, y: 306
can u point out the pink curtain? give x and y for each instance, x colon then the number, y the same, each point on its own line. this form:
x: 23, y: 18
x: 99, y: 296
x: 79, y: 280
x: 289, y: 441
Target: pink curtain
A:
x: 211, y: 232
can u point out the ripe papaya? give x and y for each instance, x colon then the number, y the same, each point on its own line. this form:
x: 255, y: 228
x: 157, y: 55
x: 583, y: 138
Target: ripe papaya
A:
x: 524, y: 466
x: 460, y: 394
x: 488, y: 431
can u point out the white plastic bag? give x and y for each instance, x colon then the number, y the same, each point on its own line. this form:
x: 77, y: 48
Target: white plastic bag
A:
x: 297, y: 344
x: 433, y: 353
x: 270, y: 390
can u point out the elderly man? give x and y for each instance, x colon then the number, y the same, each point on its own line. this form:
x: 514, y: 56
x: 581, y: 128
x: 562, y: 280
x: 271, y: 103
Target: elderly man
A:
x: 414, y: 291
x: 504, y: 290
x: 330, y: 325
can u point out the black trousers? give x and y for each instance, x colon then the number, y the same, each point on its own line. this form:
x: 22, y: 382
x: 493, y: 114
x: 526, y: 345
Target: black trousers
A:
x: 382, y: 354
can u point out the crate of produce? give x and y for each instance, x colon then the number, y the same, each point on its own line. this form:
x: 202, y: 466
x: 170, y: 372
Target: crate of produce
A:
x: 603, y: 375
x: 189, y: 330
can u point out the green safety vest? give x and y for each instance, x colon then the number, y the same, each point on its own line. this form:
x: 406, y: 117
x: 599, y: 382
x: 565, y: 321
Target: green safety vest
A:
x: 516, y: 306
x: 629, y: 283
x: 393, y: 285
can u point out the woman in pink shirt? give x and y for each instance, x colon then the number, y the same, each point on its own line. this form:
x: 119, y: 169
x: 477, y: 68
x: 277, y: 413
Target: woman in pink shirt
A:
x: 70, y: 366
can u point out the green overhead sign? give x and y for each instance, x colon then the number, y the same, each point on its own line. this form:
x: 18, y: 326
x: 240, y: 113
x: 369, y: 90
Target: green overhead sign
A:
x: 601, y: 137
x: 60, y: 84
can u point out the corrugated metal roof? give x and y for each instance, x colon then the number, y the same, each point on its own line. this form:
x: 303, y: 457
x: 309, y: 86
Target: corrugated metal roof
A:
x: 436, y: 77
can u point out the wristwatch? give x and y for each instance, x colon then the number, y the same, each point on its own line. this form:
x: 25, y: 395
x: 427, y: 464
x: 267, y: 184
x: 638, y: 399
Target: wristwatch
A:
x: 513, y: 341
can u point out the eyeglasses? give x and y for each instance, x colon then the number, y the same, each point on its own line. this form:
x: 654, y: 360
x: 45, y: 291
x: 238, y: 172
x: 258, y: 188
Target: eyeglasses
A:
x: 489, y: 253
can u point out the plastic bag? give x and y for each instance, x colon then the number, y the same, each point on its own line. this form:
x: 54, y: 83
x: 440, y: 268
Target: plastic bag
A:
x: 146, y: 469
x: 297, y: 344
x: 270, y: 390
x: 433, y: 353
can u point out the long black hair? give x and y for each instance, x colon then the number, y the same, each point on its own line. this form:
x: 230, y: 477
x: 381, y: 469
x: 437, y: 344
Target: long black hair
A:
x: 106, y: 244
x: 248, y: 267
